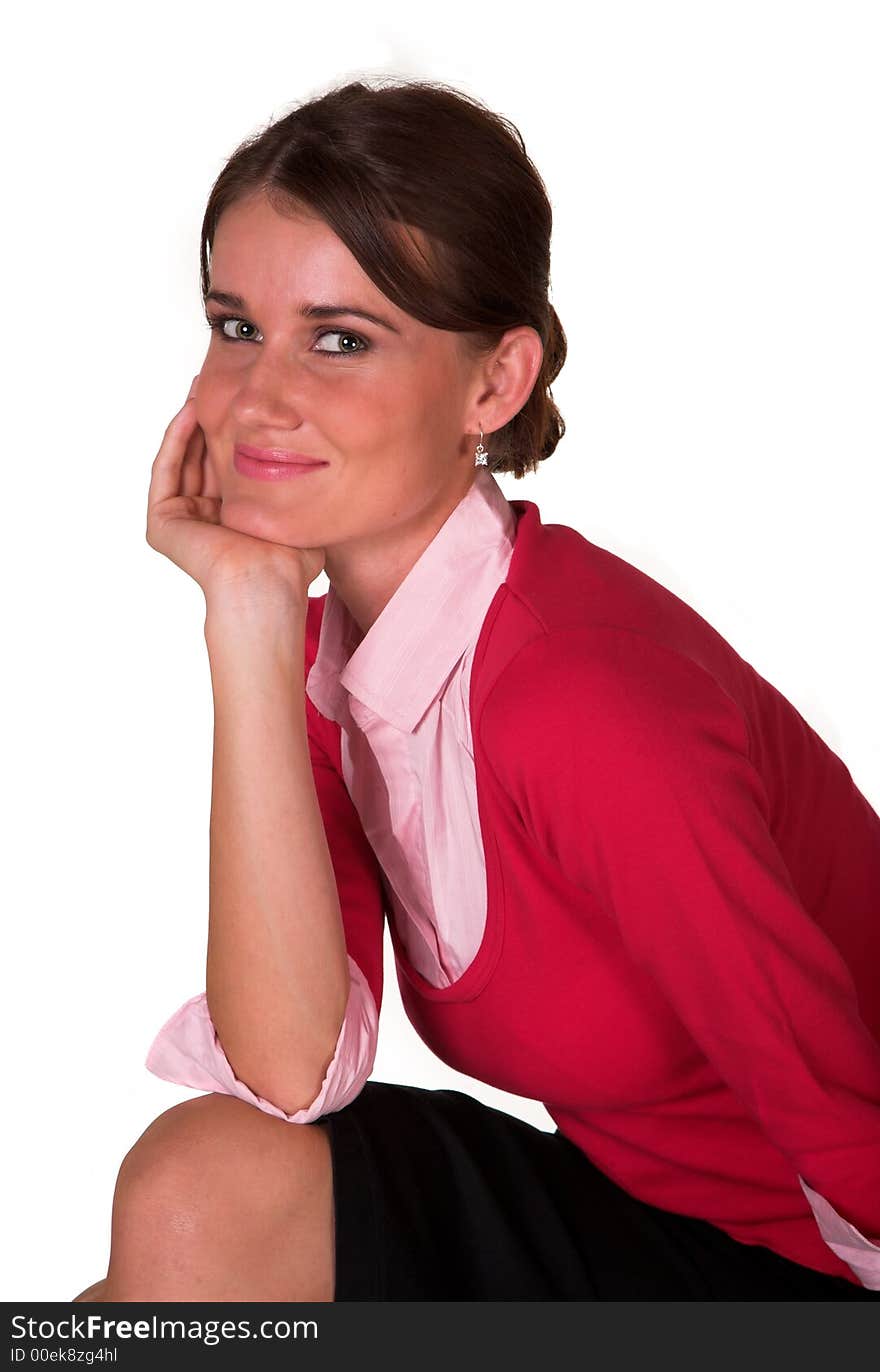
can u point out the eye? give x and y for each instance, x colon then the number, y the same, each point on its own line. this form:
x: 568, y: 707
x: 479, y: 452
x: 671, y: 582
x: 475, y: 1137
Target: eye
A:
x: 347, y: 335
x: 217, y: 324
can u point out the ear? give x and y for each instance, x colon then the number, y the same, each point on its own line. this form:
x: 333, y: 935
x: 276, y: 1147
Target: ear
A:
x: 505, y: 379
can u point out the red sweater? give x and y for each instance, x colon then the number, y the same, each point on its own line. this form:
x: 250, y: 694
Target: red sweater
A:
x: 681, y: 957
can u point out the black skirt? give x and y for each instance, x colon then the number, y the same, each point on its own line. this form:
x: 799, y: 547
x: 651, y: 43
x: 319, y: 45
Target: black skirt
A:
x: 440, y: 1197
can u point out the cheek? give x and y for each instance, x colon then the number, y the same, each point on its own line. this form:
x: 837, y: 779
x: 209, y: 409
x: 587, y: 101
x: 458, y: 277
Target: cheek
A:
x: 436, y: 394
x: 409, y: 404
x: 368, y: 397
x: 211, y: 406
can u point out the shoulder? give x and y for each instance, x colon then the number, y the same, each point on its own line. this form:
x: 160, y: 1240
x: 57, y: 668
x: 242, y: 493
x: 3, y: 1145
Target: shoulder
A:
x: 564, y: 579
x: 606, y: 697
x: 608, y: 668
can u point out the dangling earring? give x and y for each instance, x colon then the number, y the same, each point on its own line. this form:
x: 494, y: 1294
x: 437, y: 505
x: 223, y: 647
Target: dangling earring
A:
x: 481, y: 457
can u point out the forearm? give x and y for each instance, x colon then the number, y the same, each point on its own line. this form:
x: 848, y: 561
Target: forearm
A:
x: 277, y: 973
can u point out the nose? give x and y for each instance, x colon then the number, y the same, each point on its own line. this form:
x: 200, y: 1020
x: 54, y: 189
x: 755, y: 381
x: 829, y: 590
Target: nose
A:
x: 266, y: 404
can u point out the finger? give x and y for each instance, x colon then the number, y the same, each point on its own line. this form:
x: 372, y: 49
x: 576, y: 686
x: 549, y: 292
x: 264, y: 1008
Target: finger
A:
x: 165, y: 474
x: 210, y: 476
x: 209, y: 481
x: 191, y: 469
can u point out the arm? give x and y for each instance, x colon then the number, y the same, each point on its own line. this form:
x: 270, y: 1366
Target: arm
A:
x: 294, y: 1012
x: 277, y: 974
x: 639, y: 784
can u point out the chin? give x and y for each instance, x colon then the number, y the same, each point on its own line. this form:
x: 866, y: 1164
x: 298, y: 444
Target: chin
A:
x: 253, y: 518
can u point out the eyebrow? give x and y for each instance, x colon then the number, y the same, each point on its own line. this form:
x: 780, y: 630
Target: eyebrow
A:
x: 311, y: 311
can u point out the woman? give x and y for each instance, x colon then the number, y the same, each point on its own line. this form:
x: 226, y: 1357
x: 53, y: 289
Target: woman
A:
x: 623, y: 876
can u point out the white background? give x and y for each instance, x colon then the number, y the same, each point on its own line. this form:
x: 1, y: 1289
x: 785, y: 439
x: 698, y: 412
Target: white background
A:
x: 713, y: 173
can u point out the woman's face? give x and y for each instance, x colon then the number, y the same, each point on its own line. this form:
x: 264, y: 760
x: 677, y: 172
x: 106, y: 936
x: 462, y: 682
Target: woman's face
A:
x: 388, y: 408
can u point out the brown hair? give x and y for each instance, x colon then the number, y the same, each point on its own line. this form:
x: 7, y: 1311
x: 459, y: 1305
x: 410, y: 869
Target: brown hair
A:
x: 377, y: 161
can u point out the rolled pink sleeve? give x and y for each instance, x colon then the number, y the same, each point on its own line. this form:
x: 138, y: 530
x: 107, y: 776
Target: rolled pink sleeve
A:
x: 187, y: 1051
x: 845, y: 1240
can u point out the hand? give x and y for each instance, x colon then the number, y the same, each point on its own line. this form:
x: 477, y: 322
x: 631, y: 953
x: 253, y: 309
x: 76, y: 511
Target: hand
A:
x: 183, y: 523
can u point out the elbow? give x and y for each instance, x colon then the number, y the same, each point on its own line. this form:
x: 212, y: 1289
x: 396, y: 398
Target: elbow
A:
x: 291, y: 1082
x: 272, y: 1073
x: 322, y: 1076
x: 299, y: 1095
x: 291, y: 1092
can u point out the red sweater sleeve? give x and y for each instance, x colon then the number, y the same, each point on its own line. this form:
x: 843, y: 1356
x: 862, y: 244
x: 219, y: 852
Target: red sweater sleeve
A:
x: 355, y: 866
x: 630, y: 767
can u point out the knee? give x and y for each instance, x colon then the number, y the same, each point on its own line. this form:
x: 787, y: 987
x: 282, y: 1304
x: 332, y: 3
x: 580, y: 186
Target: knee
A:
x: 214, y: 1199
x: 182, y: 1144
x: 208, y: 1161
x: 165, y: 1176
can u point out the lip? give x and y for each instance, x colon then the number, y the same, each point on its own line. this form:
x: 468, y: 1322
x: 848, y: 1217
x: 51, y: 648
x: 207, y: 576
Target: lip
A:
x: 273, y: 464
x: 278, y: 455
